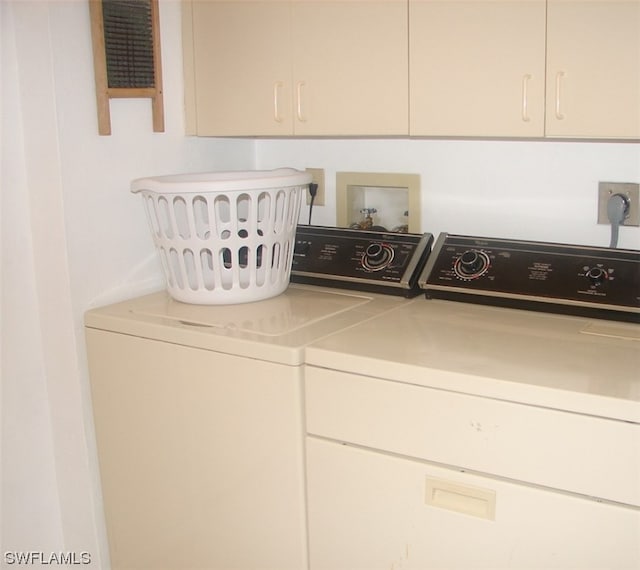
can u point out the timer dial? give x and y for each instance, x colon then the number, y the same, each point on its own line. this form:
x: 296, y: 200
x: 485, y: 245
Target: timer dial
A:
x: 377, y: 256
x: 597, y: 275
x: 471, y: 264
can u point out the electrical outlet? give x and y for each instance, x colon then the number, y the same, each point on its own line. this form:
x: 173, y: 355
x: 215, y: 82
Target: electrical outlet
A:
x: 628, y: 189
x: 318, y: 178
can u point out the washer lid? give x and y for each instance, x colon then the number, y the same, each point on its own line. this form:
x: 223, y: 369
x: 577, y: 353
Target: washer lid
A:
x: 554, y: 361
x: 281, y: 315
x: 276, y: 329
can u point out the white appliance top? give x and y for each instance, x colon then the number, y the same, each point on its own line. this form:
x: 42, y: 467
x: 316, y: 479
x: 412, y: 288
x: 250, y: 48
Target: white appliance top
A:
x: 276, y: 329
x: 569, y: 363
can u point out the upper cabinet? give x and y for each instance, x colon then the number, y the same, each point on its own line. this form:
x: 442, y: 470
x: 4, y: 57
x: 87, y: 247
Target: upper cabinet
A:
x: 477, y: 67
x: 303, y: 67
x: 350, y: 67
x: 593, y: 68
x: 468, y: 68
x: 238, y: 67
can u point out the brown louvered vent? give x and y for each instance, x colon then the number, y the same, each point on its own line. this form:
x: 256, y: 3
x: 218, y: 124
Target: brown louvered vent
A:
x: 126, y: 45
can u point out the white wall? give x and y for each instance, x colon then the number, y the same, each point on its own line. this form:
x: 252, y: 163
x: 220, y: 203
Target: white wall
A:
x: 540, y: 190
x: 71, y: 237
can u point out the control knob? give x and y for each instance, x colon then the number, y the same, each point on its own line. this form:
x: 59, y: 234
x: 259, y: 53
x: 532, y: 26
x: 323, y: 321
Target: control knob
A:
x: 471, y: 264
x: 597, y: 275
x: 377, y: 256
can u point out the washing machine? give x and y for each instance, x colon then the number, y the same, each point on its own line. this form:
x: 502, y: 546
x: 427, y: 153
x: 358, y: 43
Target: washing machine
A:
x: 199, y: 409
x: 492, y: 423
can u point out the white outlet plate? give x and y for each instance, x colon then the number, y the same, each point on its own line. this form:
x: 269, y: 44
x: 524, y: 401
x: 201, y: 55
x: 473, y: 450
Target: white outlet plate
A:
x: 318, y: 178
x: 628, y: 189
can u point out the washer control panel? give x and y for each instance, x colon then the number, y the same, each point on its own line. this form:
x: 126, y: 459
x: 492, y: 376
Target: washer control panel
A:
x: 383, y: 262
x: 561, y: 278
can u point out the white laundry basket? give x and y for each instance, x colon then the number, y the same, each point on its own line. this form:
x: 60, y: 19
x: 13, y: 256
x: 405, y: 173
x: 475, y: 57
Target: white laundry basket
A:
x: 225, y: 237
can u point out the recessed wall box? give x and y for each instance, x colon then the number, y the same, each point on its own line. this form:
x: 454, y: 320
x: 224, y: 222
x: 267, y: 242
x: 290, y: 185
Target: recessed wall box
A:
x: 378, y: 201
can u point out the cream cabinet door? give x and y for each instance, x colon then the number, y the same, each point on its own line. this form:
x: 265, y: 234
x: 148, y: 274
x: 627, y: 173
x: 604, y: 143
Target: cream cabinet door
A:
x: 308, y: 67
x: 201, y: 459
x: 477, y: 67
x: 593, y: 68
x: 350, y: 67
x: 240, y: 64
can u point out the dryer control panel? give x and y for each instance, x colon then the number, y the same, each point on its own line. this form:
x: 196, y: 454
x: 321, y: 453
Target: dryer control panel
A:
x: 560, y: 278
x: 380, y: 262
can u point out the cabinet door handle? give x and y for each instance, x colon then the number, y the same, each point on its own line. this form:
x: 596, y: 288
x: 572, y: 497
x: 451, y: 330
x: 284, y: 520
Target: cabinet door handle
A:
x: 276, y: 100
x: 559, y: 113
x: 525, y: 97
x: 299, y: 112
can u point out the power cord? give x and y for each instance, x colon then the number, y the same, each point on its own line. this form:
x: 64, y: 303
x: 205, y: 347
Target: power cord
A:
x: 617, y: 211
x: 313, y: 190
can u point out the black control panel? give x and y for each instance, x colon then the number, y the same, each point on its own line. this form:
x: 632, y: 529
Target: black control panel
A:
x: 590, y: 281
x: 380, y: 262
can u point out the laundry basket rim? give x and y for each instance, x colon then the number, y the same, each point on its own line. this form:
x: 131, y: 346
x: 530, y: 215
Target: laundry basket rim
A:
x: 222, y: 181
